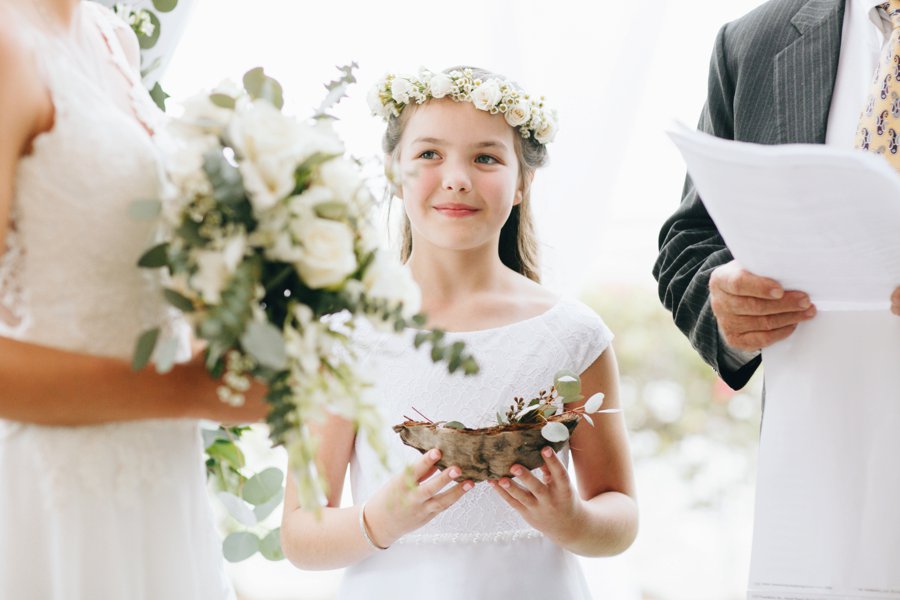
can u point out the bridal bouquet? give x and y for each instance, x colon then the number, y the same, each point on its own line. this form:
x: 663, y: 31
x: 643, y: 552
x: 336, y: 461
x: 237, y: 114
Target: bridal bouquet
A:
x: 267, y: 248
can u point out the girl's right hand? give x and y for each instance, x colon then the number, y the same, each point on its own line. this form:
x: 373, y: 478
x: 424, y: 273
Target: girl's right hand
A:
x: 410, y: 499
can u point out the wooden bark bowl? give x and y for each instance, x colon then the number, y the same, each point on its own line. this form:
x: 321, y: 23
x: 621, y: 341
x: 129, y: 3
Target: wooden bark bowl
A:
x: 486, y: 453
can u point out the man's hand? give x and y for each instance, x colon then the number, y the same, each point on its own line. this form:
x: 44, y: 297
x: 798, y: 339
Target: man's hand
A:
x: 754, y: 312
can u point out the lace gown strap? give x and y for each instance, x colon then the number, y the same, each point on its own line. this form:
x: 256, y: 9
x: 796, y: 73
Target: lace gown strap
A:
x: 113, y: 30
x: 13, y: 313
x: 582, y: 332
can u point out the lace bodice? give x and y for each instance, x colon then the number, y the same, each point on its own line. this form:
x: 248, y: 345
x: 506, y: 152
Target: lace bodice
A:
x: 68, y: 278
x: 516, y: 360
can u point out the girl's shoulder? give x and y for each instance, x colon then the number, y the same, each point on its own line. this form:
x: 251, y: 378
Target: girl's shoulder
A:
x: 580, y: 330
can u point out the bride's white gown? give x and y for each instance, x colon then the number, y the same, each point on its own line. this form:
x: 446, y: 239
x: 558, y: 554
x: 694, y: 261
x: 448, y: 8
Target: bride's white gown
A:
x: 115, y: 511
x: 480, y: 548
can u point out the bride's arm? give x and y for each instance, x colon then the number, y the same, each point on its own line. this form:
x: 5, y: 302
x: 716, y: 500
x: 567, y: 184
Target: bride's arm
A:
x: 53, y: 387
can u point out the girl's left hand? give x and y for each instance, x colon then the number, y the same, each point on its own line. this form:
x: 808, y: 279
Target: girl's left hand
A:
x: 550, y: 506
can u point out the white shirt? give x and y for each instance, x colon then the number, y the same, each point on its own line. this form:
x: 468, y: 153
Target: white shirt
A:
x: 865, y: 31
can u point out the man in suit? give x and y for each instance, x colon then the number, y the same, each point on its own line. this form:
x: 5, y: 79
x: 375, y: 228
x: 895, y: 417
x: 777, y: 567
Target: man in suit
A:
x: 791, y: 71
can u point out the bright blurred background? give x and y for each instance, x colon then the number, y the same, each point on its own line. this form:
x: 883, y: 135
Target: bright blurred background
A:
x: 619, y: 74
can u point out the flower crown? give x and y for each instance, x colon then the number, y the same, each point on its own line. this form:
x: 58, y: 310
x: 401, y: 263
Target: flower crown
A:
x: 394, y: 92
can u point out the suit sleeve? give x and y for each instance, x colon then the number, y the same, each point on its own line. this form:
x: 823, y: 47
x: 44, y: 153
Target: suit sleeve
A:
x: 690, y: 246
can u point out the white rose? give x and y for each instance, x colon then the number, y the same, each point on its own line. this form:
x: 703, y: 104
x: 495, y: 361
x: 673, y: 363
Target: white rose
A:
x: 328, y: 256
x: 198, y: 110
x: 487, y: 95
x: 319, y: 138
x: 303, y: 206
x: 269, y: 148
x: 303, y: 347
x: 518, y: 114
x: 546, y: 132
x: 342, y: 177
x: 391, y: 280
x: 440, y: 85
x: 401, y: 89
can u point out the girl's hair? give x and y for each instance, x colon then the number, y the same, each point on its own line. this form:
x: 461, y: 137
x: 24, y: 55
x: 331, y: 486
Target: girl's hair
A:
x: 518, y: 243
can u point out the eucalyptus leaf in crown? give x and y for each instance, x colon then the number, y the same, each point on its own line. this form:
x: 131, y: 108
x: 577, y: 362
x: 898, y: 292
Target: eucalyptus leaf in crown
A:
x: 267, y: 247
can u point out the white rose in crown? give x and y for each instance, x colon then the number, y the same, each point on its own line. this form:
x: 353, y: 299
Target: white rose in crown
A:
x: 401, y: 90
x: 518, y: 114
x: 268, y: 145
x: 327, y: 258
x: 487, y: 95
x: 546, y: 132
x: 389, y: 279
x: 440, y: 85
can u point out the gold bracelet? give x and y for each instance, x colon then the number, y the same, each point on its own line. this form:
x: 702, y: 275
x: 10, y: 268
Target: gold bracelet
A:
x: 365, y: 530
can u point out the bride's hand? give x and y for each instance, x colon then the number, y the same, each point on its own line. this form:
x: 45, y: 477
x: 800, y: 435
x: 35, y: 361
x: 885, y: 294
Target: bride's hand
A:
x: 411, y: 499
x: 550, y: 506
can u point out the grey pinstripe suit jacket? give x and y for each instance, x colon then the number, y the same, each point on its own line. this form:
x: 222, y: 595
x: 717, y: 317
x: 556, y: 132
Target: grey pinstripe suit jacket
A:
x: 771, y: 79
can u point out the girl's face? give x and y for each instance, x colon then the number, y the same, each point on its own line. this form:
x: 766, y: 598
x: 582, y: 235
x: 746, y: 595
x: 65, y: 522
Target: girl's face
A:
x: 459, y: 175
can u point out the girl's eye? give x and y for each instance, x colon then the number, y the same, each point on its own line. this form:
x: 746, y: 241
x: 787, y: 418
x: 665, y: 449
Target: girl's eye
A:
x: 484, y: 159
x: 428, y: 155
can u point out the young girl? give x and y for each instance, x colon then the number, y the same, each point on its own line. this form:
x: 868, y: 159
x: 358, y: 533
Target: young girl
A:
x: 104, y: 493
x: 466, y: 144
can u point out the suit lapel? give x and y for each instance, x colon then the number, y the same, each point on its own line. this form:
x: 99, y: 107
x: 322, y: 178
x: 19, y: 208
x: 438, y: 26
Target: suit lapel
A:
x: 805, y: 72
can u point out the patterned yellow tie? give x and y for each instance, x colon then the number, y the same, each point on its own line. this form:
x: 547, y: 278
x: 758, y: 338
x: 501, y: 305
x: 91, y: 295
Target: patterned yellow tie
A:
x: 879, y: 125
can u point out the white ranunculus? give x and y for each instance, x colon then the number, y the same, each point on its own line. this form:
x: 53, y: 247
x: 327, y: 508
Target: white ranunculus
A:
x: 391, y: 280
x: 328, y: 256
x: 304, y: 205
x: 518, y: 114
x: 487, y: 95
x: 401, y: 89
x: 211, y: 276
x: 547, y: 131
x: 440, y: 85
x: 269, y: 146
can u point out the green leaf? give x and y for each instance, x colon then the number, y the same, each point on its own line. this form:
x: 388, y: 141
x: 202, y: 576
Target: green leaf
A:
x: 270, y: 547
x: 228, y: 186
x: 334, y: 210
x: 238, y: 509
x: 594, y: 403
x: 165, y: 6
x: 240, y: 546
x: 571, y: 399
x: 264, y: 510
x: 144, y: 210
x: 437, y: 353
x: 419, y: 320
x: 470, y: 367
x: 159, y: 96
x: 337, y: 89
x: 165, y: 355
x: 555, y: 431
x: 568, y: 384
x: 263, y: 486
x: 454, y: 425
x: 211, y: 435
x: 222, y: 100
x: 259, y: 85
x: 147, y: 42
x: 266, y: 343
x: 227, y: 452
x: 155, y: 257
x: 180, y: 302
x: 420, y: 338
x: 144, y: 349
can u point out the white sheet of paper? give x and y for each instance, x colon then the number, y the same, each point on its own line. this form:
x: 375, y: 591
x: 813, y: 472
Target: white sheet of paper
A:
x: 826, y: 221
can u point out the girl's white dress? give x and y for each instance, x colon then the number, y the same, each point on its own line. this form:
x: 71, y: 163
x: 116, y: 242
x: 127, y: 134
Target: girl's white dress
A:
x: 480, y: 548
x: 116, y: 511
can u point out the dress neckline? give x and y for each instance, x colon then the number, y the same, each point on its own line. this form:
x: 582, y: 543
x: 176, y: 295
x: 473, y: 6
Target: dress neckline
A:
x: 556, y: 305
